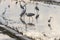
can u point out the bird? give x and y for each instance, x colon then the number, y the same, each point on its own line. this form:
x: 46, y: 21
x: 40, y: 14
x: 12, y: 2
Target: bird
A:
x: 37, y: 16
x: 31, y: 24
x: 49, y: 20
x: 23, y: 12
x: 30, y: 15
x: 50, y: 26
x: 22, y: 21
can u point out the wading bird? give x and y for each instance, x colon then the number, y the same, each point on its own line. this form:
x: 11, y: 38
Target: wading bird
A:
x: 30, y: 15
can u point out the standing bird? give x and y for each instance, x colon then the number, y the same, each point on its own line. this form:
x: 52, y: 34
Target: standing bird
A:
x: 49, y: 20
x: 30, y: 15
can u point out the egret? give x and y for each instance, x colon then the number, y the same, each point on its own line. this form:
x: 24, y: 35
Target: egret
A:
x: 30, y: 15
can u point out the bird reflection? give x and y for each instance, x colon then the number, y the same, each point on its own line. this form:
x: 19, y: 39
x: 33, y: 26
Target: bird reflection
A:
x: 31, y: 24
x: 37, y: 16
x: 22, y: 21
x: 49, y: 25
